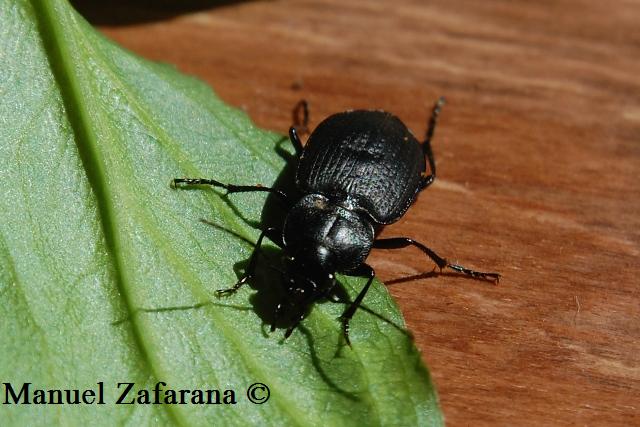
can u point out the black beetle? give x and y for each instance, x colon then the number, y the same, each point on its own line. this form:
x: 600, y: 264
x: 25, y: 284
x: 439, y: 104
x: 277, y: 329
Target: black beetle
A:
x: 359, y: 171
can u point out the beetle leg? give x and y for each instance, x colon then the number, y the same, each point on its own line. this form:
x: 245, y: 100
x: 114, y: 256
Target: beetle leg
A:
x: 270, y: 232
x: 426, y: 145
x: 402, y: 242
x: 363, y: 270
x: 296, y: 322
x: 295, y: 140
x: 300, y: 125
x: 231, y: 188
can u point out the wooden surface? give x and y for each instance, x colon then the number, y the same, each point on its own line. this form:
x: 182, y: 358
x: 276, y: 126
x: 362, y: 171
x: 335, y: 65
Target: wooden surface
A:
x: 538, y: 155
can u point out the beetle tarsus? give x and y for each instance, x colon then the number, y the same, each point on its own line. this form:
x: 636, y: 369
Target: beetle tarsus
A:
x: 196, y: 181
x: 234, y: 288
x: 495, y: 277
x: 345, y: 329
x: 232, y: 188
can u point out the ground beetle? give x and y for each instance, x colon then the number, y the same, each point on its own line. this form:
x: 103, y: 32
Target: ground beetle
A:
x: 359, y: 171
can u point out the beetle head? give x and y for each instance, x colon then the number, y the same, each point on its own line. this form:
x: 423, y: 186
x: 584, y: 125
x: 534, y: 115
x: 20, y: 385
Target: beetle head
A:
x: 305, y: 281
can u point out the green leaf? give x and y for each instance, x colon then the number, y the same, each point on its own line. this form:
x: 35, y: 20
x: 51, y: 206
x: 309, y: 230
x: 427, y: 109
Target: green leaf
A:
x: 108, y: 275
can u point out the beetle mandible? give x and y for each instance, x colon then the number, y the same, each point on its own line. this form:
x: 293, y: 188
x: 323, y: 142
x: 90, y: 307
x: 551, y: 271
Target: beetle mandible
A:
x: 358, y: 171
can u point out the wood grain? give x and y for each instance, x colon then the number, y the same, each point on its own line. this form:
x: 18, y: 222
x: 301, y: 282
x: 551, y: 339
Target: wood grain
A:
x: 538, y: 155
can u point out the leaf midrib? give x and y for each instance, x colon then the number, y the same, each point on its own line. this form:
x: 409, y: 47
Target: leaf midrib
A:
x: 249, y: 364
x: 50, y: 22
x: 86, y: 141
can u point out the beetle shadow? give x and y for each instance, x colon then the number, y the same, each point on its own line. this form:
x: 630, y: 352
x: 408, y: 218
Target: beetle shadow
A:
x: 318, y: 363
x: 172, y: 308
x: 128, y: 12
x: 434, y: 273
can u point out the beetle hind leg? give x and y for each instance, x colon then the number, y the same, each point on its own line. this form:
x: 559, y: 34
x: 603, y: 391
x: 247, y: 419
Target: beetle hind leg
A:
x: 295, y: 140
x: 300, y: 125
x: 426, y: 145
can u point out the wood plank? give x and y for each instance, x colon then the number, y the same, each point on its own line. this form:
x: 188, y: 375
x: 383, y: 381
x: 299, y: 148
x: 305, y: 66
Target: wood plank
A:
x: 538, y: 156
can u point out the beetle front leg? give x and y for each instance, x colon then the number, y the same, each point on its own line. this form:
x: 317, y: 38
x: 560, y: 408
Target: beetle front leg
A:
x: 274, y: 235
x: 402, y: 242
x: 366, y: 271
